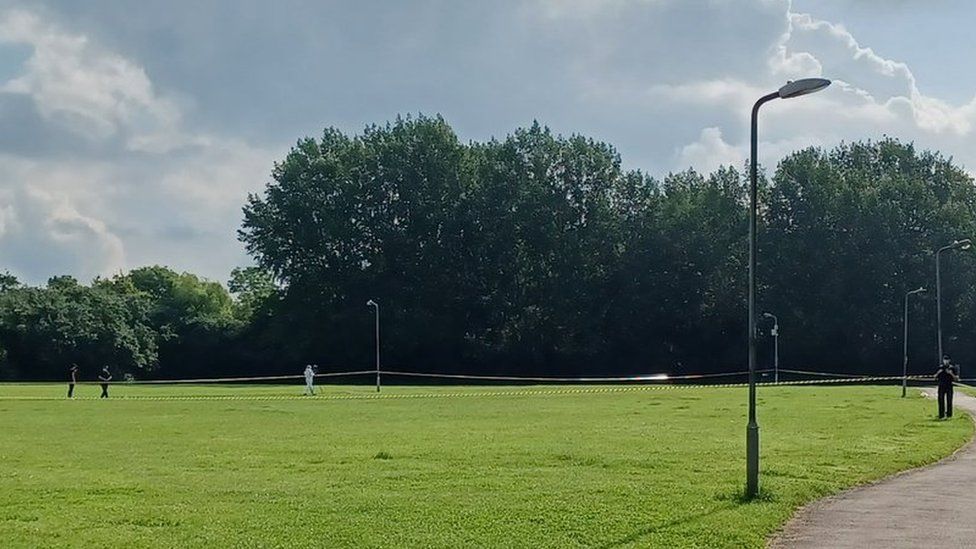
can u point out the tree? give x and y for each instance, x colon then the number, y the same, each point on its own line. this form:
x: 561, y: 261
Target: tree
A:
x: 45, y: 329
x: 181, y: 300
x: 539, y: 253
x: 195, y: 318
x: 347, y: 220
x: 535, y: 253
x: 8, y: 282
x: 849, y: 231
x: 255, y: 290
x: 487, y: 253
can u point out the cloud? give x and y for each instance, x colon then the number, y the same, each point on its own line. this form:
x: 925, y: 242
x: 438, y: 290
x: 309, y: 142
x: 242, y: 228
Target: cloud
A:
x: 140, y: 131
x: 871, y: 96
x: 94, y: 93
x: 872, y: 77
x: 710, y: 152
x: 44, y: 231
x: 111, y: 178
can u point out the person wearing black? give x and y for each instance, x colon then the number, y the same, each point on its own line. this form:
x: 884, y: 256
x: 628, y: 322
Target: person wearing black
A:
x: 72, y: 379
x: 105, y: 377
x: 945, y: 377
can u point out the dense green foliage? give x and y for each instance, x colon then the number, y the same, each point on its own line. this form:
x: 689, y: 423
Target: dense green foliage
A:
x: 45, y: 329
x: 659, y: 468
x: 847, y: 233
x: 132, y: 323
x: 539, y: 254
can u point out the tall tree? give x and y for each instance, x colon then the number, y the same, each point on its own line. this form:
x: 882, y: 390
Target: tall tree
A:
x: 849, y: 231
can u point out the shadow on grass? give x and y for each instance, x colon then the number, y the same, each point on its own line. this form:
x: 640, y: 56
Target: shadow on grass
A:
x: 731, y: 501
x: 634, y: 537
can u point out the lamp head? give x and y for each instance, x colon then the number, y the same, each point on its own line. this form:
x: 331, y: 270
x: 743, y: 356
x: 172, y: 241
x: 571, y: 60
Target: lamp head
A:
x: 963, y: 244
x: 371, y: 303
x: 803, y: 86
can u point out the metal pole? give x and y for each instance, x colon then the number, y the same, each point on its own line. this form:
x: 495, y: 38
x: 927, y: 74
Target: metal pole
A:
x: 377, y: 346
x: 964, y: 244
x: 775, y: 334
x: 752, y: 427
x: 796, y: 88
x: 938, y: 300
x: 776, y: 352
x: 904, y: 368
x: 376, y: 305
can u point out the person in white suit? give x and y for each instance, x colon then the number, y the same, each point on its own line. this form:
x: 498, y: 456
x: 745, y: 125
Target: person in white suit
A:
x: 310, y: 380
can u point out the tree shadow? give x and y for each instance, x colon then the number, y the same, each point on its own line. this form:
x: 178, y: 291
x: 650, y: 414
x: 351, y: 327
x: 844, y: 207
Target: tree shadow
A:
x: 631, y: 538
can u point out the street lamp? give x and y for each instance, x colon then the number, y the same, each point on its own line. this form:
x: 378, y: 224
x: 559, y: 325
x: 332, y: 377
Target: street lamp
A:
x: 904, y: 367
x: 963, y: 244
x: 791, y: 89
x: 376, y: 306
x: 775, y: 334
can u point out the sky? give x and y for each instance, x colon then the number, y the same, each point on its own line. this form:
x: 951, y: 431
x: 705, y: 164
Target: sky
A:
x: 132, y: 132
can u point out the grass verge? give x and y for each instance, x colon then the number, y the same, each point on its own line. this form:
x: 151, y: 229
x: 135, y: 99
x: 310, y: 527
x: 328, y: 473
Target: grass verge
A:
x: 632, y: 468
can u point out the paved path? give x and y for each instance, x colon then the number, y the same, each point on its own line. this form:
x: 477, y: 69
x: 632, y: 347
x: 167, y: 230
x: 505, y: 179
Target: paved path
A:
x: 933, y: 506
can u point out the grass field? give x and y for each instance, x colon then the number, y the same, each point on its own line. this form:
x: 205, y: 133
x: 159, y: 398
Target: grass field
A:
x: 428, y: 469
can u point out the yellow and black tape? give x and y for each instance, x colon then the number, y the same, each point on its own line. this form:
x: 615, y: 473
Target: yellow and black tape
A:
x: 480, y: 393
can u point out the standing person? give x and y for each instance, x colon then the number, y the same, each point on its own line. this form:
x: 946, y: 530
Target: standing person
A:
x: 945, y: 376
x: 105, y: 377
x: 72, y: 379
x: 309, y: 380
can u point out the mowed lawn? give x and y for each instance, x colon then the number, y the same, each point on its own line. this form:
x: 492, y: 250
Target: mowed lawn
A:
x: 440, y: 467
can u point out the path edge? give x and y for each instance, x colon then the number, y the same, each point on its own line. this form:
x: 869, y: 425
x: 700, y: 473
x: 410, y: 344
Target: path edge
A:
x: 776, y: 538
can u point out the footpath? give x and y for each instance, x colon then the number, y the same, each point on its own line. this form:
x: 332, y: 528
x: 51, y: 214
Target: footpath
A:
x: 930, y: 506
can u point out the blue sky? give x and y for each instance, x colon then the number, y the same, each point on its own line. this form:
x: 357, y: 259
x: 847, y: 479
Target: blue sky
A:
x: 132, y: 132
x: 932, y: 38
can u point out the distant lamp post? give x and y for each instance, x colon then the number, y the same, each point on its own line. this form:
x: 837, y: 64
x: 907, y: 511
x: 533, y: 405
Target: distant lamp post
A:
x: 793, y: 89
x: 376, y: 306
x: 904, y: 367
x: 775, y: 334
x: 963, y: 244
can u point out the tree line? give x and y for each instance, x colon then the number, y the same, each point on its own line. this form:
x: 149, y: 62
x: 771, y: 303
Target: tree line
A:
x: 533, y: 254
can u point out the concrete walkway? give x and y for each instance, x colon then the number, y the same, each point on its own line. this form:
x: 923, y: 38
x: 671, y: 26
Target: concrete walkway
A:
x: 931, y: 506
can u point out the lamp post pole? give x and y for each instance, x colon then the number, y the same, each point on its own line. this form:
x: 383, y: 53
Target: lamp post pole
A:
x: 790, y: 90
x: 376, y: 306
x: 904, y: 367
x: 963, y: 244
x: 775, y: 334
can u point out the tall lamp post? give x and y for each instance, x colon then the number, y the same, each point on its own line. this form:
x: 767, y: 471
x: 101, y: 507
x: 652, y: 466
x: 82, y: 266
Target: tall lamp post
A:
x: 376, y: 306
x: 904, y: 366
x: 790, y: 90
x: 775, y: 334
x: 963, y: 244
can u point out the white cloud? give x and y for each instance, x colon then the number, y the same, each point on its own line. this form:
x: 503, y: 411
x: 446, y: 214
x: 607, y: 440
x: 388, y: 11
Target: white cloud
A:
x: 127, y: 169
x: 871, y: 77
x: 74, y: 232
x: 153, y: 192
x: 871, y: 96
x: 710, y: 152
x: 45, y: 231
x: 727, y: 92
x: 95, y: 93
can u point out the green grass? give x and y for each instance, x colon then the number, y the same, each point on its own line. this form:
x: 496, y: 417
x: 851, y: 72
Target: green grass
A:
x: 636, y: 468
x: 966, y: 390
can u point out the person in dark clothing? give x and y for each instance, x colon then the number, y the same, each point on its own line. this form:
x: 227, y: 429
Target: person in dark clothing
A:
x: 945, y: 377
x: 72, y: 379
x: 105, y: 377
